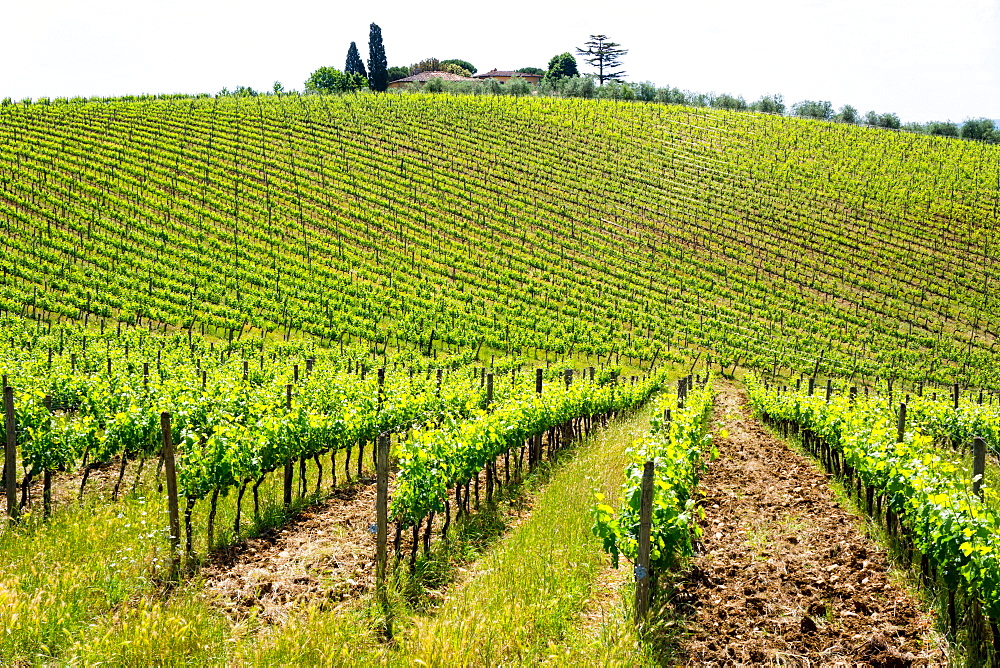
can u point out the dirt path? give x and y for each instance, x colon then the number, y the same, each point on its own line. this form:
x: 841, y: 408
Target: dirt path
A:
x: 325, y: 553
x: 784, y: 574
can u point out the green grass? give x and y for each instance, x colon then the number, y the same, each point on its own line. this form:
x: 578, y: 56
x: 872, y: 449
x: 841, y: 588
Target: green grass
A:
x: 520, y: 603
x: 93, y: 580
x: 528, y: 593
x: 59, y: 577
x: 90, y: 585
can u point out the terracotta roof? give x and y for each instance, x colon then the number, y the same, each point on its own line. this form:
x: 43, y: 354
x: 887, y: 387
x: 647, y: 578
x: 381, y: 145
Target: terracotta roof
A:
x: 422, y: 77
x: 503, y: 73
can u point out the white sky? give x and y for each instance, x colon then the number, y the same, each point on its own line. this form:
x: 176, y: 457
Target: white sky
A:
x: 923, y: 60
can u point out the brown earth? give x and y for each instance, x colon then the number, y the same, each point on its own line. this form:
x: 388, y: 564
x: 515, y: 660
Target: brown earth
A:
x: 326, y: 553
x: 783, y: 574
x: 101, y: 481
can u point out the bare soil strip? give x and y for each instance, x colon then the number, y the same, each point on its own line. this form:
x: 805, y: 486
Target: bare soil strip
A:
x: 101, y: 481
x: 784, y: 575
x: 325, y: 553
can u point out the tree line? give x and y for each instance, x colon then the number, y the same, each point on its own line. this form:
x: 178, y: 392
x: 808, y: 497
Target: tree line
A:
x: 563, y: 78
x: 979, y: 129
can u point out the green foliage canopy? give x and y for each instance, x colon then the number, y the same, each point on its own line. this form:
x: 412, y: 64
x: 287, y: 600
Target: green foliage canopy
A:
x: 942, y: 129
x: 823, y: 109
x: 455, y: 69
x: 332, y: 80
x: 981, y: 129
x: 887, y: 120
x: 464, y: 64
x: 726, y: 101
x: 426, y: 65
x: 847, y: 114
x: 561, y: 66
x: 397, y: 73
x: 769, y: 104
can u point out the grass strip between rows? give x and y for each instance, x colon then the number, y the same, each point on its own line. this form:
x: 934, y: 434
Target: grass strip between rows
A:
x: 524, y: 604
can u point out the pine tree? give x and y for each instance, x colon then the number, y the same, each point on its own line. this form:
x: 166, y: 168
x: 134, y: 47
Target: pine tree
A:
x: 603, y: 55
x: 378, y: 66
x: 354, y: 63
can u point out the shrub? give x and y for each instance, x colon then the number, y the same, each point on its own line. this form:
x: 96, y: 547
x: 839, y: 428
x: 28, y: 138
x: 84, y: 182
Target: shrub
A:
x: 518, y: 87
x: 464, y: 64
x: 823, y: 109
x: 942, y: 128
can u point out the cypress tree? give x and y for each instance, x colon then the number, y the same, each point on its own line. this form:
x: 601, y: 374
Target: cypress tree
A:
x: 378, y: 66
x: 354, y: 63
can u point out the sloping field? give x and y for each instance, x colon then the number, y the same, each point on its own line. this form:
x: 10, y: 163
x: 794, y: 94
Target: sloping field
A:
x: 516, y: 223
x: 605, y: 236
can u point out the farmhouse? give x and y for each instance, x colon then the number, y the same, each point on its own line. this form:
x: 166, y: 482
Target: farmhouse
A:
x: 422, y: 78
x: 503, y: 76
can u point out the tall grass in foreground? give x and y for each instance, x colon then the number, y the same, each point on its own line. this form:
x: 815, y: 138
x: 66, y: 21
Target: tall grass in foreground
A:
x: 528, y: 594
x: 90, y: 584
x: 87, y: 587
x: 61, y: 576
x: 522, y: 602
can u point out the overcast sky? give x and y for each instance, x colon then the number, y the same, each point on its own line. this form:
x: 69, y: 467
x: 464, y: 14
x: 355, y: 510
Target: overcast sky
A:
x: 923, y: 60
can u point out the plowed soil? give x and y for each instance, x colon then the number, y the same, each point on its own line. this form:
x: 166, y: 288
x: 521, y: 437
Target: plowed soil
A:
x: 101, y: 482
x: 326, y: 553
x: 784, y: 575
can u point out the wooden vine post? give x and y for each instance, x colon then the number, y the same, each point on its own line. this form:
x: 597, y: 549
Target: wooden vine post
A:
x: 642, y: 575
x: 490, y: 465
x: 289, y: 469
x: 901, y: 423
x: 978, y: 465
x: 172, y: 502
x: 382, y: 527
x: 536, y: 455
x: 10, y: 452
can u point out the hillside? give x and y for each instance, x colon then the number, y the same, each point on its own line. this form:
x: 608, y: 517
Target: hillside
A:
x: 591, y: 227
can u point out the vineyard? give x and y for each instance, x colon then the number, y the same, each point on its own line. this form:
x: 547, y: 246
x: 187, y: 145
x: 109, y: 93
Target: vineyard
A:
x: 639, y: 231
x: 905, y: 465
x: 295, y: 405
x: 271, y: 421
x: 419, y: 315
